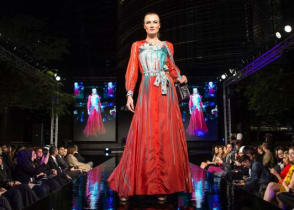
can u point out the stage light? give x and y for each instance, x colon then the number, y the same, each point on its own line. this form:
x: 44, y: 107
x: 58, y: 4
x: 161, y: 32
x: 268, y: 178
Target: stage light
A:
x: 224, y: 76
x: 58, y: 78
x: 288, y: 28
x: 107, y: 151
x: 278, y: 35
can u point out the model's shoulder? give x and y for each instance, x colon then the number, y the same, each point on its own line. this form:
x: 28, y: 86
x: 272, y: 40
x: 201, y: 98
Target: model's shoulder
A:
x: 139, y: 42
x: 168, y: 43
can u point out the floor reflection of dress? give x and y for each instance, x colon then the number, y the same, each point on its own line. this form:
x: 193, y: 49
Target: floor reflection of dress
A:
x: 197, y: 125
x: 95, y: 123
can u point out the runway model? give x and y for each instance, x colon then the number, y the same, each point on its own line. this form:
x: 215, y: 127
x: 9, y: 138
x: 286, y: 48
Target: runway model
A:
x: 95, y: 123
x: 155, y: 159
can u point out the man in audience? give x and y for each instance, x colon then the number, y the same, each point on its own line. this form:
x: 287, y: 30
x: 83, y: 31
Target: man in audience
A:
x: 229, y: 156
x: 53, y: 164
x: 71, y: 171
x: 268, y: 158
x: 251, y: 183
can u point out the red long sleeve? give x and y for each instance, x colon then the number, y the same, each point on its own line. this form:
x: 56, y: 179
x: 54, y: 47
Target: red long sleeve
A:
x: 174, y: 71
x: 132, y: 69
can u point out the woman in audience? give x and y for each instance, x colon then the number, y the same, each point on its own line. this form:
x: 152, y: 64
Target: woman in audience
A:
x: 72, y: 160
x: 12, y: 188
x: 260, y: 153
x: 279, y: 155
x: 27, y: 173
x: 274, y: 188
x: 214, y: 155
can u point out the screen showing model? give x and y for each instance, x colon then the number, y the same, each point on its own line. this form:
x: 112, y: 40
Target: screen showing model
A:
x: 94, y: 111
x: 200, y: 112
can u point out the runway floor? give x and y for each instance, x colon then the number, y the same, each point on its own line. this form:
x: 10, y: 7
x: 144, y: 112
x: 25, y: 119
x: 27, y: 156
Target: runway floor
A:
x: 92, y: 192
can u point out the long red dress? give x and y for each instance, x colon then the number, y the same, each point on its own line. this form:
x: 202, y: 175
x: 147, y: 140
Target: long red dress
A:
x: 95, y: 124
x: 155, y: 158
x: 197, y: 125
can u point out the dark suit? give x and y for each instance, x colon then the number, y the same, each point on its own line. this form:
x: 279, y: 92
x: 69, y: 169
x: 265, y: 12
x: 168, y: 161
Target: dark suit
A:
x: 65, y: 167
x: 53, y: 164
x: 62, y: 163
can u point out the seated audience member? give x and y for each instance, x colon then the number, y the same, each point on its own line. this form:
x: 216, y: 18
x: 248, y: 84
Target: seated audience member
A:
x: 53, y: 164
x: 7, y: 156
x: 72, y: 160
x: 80, y: 158
x: 42, y: 159
x: 279, y: 155
x: 19, y: 148
x: 214, y: 155
x: 260, y: 154
x: 268, y: 159
x: 251, y: 183
x: 265, y: 176
x: 285, y: 184
x: 258, y: 175
x: 285, y: 170
x: 229, y: 156
x: 27, y: 173
x: 10, y: 187
x: 62, y: 152
x: 218, y: 152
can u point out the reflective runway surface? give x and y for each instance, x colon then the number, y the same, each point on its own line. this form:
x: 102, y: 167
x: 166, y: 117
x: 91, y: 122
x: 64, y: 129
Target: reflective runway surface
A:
x: 91, y: 191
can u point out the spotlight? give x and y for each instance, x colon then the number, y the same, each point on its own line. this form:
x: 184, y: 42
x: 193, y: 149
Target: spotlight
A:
x: 57, y: 78
x: 107, y: 151
x: 224, y: 76
x: 288, y: 28
x: 278, y: 35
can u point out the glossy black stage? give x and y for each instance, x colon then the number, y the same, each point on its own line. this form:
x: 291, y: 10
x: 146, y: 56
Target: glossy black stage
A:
x: 91, y: 191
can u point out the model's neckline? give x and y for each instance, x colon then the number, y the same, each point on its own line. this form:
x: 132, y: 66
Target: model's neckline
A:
x: 160, y: 43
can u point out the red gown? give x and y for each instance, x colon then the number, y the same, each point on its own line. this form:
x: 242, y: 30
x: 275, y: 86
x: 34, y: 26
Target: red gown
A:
x: 197, y: 125
x: 155, y: 158
x: 95, y: 124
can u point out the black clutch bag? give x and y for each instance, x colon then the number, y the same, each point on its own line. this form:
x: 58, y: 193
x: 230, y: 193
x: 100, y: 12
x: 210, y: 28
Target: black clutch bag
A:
x: 182, y: 91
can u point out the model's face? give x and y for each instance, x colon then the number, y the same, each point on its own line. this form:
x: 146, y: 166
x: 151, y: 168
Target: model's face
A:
x: 216, y: 150
x: 195, y: 90
x: 94, y: 91
x: 220, y: 150
x: 65, y: 152
x: 151, y: 24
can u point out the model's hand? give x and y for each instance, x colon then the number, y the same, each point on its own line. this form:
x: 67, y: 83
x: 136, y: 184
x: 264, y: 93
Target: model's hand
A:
x: 130, y: 104
x: 183, y: 79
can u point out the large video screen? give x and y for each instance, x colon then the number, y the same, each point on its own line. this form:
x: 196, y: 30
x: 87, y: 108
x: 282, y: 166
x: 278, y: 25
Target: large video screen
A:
x: 94, y: 110
x: 200, y: 112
